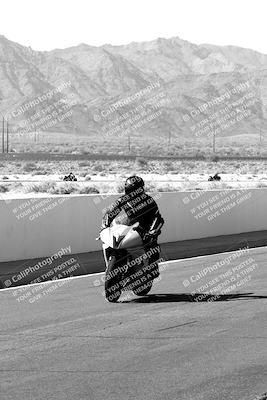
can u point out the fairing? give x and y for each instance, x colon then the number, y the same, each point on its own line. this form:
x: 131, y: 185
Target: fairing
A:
x: 121, y: 237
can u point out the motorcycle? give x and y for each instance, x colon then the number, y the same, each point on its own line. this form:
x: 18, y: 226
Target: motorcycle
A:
x: 127, y: 267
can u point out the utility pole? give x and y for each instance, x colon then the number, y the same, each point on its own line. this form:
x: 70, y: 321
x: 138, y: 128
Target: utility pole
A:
x: 261, y: 103
x: 129, y: 142
x: 7, y: 137
x: 3, y: 135
x: 5, y: 124
x: 213, y: 143
x: 169, y: 140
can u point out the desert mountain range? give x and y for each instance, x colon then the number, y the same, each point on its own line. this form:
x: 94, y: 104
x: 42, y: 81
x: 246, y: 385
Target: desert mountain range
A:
x: 182, y: 83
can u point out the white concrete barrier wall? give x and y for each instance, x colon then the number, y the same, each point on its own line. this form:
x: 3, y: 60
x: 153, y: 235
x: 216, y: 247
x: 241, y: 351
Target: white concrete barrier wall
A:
x: 32, y: 228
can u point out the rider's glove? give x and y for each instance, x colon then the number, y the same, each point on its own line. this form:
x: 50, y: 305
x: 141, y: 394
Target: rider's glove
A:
x: 149, y: 237
x: 146, y: 236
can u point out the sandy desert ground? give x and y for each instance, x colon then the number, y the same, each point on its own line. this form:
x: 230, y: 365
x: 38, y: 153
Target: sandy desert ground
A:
x: 39, y: 185
x: 42, y: 177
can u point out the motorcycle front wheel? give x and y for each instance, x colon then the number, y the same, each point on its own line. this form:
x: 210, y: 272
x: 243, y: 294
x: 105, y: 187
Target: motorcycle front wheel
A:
x: 112, y: 281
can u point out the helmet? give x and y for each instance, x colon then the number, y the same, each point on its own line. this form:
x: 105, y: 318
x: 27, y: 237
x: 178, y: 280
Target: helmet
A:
x: 133, y: 183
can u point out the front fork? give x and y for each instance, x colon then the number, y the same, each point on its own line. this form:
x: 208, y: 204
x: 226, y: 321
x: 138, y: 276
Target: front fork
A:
x: 128, y: 257
x: 106, y: 254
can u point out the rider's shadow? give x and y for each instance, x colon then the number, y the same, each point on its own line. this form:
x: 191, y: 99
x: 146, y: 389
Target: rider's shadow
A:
x: 188, y: 297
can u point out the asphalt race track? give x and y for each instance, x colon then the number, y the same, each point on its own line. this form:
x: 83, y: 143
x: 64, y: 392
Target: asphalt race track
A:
x: 70, y: 344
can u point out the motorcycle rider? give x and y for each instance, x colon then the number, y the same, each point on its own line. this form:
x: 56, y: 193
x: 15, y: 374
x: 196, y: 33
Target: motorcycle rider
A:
x: 142, y: 208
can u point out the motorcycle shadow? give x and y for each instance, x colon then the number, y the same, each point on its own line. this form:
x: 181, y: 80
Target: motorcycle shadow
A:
x: 188, y: 297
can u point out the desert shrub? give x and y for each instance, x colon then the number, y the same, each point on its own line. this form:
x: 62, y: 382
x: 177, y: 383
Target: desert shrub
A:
x: 29, y: 167
x: 42, y: 172
x: 213, y: 158
x: 61, y: 150
x: 3, y: 189
x: 84, y: 164
x: 89, y: 190
x: 168, y: 164
x: 120, y: 188
x: 97, y: 167
x: 66, y: 188
x: 17, y: 186
x: 84, y: 151
x: 83, y: 174
x: 141, y: 162
x: 200, y: 155
x: 261, y: 185
x: 42, y: 187
x: 167, y: 188
x: 150, y: 187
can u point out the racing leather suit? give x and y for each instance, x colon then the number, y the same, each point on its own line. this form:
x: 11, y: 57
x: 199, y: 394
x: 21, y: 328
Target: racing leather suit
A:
x: 142, y: 208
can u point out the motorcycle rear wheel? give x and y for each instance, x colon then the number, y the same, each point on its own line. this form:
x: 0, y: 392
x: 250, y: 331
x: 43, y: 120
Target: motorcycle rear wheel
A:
x: 144, y: 289
x: 112, y: 281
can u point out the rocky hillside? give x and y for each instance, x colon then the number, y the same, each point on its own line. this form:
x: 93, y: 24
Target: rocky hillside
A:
x: 180, y: 88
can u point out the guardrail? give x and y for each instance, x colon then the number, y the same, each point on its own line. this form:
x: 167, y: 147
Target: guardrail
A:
x: 38, y: 227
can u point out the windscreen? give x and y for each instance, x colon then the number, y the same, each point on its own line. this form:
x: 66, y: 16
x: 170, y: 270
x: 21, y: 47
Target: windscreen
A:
x: 122, y: 219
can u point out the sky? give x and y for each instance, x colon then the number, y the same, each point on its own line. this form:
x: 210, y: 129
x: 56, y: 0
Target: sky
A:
x: 50, y: 24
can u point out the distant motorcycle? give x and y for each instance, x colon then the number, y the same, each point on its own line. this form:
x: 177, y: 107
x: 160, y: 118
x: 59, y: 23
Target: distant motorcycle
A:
x: 70, y: 177
x: 215, y: 177
x: 123, y: 272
